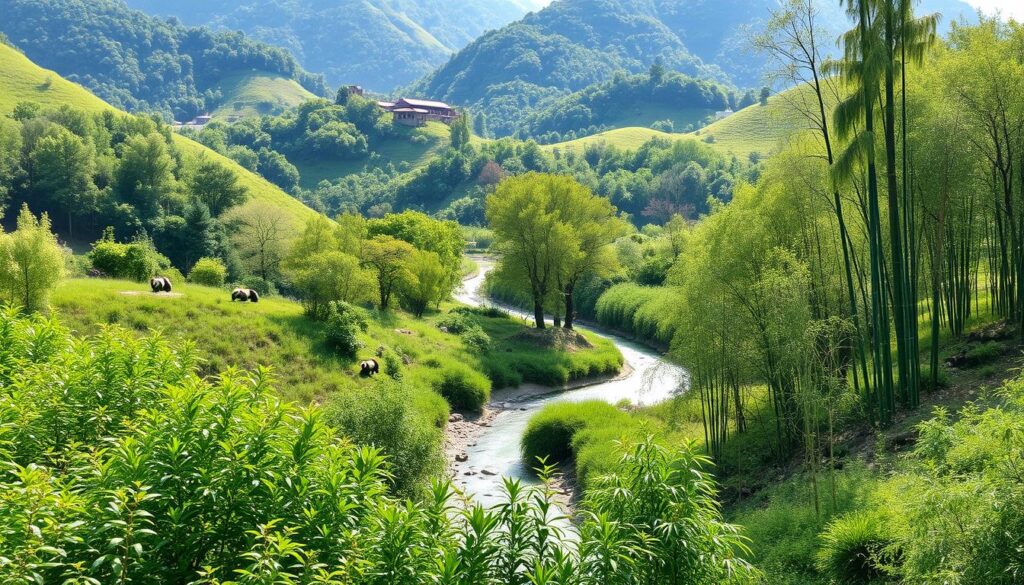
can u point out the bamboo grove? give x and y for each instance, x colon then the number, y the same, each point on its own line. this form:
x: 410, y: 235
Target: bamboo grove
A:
x: 867, y: 240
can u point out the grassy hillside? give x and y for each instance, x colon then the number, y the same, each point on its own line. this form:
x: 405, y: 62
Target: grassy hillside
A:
x: 274, y: 332
x: 756, y: 128
x: 760, y: 128
x: 411, y: 150
x: 625, y: 138
x: 644, y: 115
x: 23, y: 80
x: 258, y: 93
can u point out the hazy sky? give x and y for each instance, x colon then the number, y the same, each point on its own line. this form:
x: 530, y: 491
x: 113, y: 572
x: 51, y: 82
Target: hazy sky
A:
x: 1014, y: 8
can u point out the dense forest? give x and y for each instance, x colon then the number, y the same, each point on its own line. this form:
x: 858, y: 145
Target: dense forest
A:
x: 651, y: 184
x: 380, y: 44
x: 137, y: 62
x: 605, y: 105
x: 109, y: 172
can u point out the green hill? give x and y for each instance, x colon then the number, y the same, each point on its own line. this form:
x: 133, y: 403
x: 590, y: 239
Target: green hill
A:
x: 22, y: 80
x: 629, y: 138
x: 759, y: 128
x: 137, y: 62
x: 411, y: 150
x: 756, y: 128
x: 657, y: 99
x: 258, y: 93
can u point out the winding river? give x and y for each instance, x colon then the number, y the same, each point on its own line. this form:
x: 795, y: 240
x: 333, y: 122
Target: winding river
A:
x: 493, y: 452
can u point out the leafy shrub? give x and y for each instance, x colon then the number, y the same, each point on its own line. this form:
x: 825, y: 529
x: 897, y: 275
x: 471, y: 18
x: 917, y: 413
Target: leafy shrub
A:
x: 136, y: 261
x: 959, y: 511
x: 409, y: 442
x: 853, y: 549
x: 490, y: 312
x: 455, y: 322
x: 342, y: 328
x: 393, y: 364
x: 477, y: 339
x: 208, y: 272
x: 463, y: 387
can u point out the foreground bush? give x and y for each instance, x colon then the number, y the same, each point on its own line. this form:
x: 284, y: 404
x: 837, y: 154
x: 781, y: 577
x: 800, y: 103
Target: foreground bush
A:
x: 853, y: 549
x: 121, y: 466
x: 953, y: 512
x: 342, y: 328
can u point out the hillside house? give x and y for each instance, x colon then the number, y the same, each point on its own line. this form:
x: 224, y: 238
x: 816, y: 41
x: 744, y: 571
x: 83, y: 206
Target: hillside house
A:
x: 723, y: 114
x: 197, y: 123
x: 413, y: 112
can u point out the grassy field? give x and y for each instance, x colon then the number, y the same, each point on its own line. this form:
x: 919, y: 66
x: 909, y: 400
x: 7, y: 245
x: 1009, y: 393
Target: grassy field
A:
x: 412, y: 149
x: 624, y: 138
x: 646, y: 114
x: 23, y: 80
x: 258, y: 93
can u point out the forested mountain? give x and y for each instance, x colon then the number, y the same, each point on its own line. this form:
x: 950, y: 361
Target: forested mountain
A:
x: 380, y: 44
x: 662, y: 100
x: 574, y: 43
x: 138, y: 62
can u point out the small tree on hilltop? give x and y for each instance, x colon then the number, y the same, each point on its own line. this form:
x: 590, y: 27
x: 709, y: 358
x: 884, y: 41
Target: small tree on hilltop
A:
x: 460, y: 133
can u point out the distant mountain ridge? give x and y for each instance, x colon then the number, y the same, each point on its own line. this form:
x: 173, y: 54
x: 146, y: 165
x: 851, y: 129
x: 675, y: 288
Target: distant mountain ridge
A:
x: 572, y: 44
x: 380, y: 44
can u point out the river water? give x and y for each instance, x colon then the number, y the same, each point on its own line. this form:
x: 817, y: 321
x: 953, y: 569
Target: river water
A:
x: 650, y: 380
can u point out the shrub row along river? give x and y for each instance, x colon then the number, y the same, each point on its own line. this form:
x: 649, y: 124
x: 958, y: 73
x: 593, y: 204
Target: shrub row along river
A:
x: 493, y: 450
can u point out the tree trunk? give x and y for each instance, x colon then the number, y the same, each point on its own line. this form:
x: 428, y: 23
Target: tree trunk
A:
x: 570, y: 306
x: 538, y: 313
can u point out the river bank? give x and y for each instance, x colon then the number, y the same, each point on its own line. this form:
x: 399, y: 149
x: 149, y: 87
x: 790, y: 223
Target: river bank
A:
x: 482, y: 448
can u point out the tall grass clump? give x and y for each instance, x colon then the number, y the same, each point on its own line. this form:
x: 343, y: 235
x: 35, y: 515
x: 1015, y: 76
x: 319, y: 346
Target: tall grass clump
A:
x: 463, y: 387
x: 120, y: 465
x: 854, y: 548
x: 642, y: 311
x: 585, y: 432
